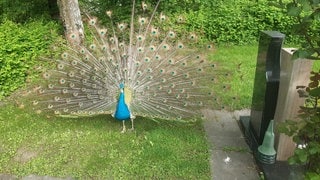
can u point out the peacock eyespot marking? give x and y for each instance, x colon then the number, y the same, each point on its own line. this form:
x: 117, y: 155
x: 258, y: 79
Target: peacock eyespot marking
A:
x: 180, y: 19
x: 142, y: 20
x: 73, y: 36
x: 92, y: 46
x: 140, y: 37
x: 152, y: 48
x: 86, y: 58
x: 103, y: 32
x: 158, y: 57
x: 146, y: 59
x: 162, y: 17
x: 121, y: 26
x: 35, y: 102
x: 62, y: 81
x: 140, y: 49
x: 171, y: 34
x: 121, y: 44
x: 60, y: 66
x: 92, y: 21
x: 64, y: 55
x: 46, y: 75
x: 180, y: 46
x: 192, y: 37
x: 82, y: 51
x: 41, y: 91
x: 71, y: 74
x: 144, y: 6
x: 165, y: 47
x: 74, y: 62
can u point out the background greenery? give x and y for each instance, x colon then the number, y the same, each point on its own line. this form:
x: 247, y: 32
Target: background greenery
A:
x: 20, y: 48
x: 28, y: 28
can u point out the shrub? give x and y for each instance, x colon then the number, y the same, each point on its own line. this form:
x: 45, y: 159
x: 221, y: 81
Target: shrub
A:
x: 236, y: 22
x: 20, y: 47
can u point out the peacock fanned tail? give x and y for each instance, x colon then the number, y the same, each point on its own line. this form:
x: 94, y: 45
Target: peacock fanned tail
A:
x: 162, y: 76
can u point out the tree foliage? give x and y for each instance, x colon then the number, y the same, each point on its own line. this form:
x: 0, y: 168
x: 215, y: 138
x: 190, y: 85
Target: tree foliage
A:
x: 307, y: 14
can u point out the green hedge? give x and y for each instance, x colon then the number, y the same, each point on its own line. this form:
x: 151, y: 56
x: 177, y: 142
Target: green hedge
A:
x: 239, y: 23
x: 20, y: 46
x: 236, y: 22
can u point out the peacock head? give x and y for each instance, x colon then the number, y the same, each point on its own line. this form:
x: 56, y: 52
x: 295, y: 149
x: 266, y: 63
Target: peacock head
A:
x: 121, y: 87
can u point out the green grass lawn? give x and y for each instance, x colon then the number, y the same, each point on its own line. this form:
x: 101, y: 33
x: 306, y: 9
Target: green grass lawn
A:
x: 240, y: 62
x: 94, y: 148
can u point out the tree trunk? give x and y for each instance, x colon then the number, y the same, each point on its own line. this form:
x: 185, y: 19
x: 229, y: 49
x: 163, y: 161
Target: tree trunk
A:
x: 71, y: 19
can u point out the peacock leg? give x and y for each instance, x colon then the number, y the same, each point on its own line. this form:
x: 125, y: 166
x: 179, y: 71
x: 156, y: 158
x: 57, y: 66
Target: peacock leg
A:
x: 131, y: 119
x: 132, y: 127
x: 123, y: 127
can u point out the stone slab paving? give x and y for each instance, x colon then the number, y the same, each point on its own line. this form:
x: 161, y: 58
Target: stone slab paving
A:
x: 231, y: 157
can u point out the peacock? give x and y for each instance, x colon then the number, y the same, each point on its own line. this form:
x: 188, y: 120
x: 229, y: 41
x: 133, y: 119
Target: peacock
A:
x: 129, y: 70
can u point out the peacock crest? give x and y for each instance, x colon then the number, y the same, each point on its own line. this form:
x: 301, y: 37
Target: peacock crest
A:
x: 131, y: 69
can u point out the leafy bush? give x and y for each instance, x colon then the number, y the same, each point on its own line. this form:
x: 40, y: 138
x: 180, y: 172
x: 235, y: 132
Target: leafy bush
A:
x: 236, y: 22
x: 306, y: 133
x: 20, y: 47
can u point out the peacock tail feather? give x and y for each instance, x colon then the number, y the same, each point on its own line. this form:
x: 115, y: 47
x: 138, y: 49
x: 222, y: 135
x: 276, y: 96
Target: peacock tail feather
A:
x: 163, y: 77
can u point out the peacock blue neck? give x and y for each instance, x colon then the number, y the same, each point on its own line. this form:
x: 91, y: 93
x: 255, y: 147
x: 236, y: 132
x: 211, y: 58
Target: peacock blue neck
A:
x: 122, y: 110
